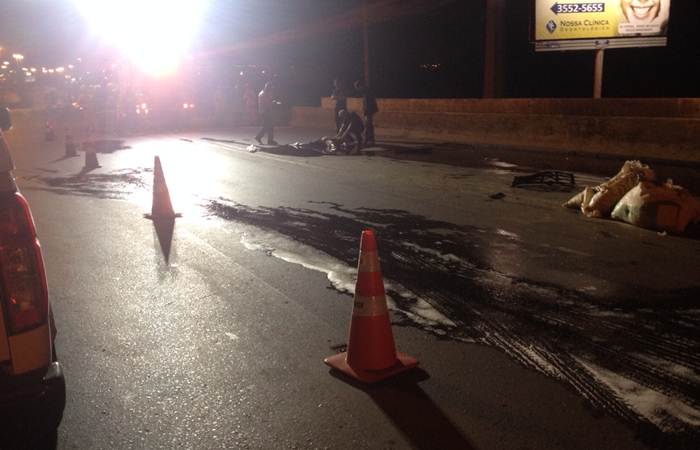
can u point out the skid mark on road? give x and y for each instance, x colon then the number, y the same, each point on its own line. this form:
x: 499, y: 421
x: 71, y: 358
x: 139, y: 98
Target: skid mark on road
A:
x: 640, y: 363
x: 118, y: 184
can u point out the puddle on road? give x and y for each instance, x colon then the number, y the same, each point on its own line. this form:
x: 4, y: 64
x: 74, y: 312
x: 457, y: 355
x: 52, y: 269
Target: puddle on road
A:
x: 625, y: 360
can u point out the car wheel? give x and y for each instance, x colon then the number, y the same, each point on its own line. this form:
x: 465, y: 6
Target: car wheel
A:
x: 48, y: 442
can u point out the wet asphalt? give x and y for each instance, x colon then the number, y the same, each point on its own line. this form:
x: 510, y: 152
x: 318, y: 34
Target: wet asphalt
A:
x: 221, y: 347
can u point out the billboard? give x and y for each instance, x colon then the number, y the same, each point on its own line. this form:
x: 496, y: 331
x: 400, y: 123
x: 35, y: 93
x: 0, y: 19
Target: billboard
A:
x: 590, y: 24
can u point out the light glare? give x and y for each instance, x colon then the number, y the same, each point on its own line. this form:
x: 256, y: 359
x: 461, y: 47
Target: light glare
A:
x: 154, y: 34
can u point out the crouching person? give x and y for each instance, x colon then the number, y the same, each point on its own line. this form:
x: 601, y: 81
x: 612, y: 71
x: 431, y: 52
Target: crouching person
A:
x: 349, y: 138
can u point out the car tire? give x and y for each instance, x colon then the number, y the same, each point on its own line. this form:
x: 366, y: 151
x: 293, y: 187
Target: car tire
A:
x: 48, y: 442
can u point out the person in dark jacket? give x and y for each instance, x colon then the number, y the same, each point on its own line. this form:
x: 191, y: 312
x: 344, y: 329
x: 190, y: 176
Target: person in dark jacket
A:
x: 369, y: 109
x: 341, y: 101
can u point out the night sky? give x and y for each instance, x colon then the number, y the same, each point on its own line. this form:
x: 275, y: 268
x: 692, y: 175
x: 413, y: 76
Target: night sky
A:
x: 312, y: 41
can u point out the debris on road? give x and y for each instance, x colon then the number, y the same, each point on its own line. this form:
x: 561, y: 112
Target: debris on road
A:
x: 497, y: 196
x: 634, y: 197
x: 600, y: 200
x: 663, y: 208
x: 317, y: 146
x: 296, y: 149
x: 549, y: 178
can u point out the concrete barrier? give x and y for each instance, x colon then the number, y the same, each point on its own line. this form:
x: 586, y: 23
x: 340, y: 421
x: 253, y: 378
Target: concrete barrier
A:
x: 628, y: 107
x: 667, y: 129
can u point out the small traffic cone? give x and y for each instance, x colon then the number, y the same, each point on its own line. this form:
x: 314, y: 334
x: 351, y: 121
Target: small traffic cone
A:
x: 49, y: 133
x: 162, y: 208
x: 91, y: 160
x: 71, y: 148
x: 371, y: 354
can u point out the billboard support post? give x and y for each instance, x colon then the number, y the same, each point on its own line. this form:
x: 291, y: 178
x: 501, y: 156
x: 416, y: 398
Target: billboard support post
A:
x: 494, y: 49
x: 598, y: 73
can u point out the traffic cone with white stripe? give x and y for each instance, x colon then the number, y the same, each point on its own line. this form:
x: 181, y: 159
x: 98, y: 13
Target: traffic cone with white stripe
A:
x: 161, y: 208
x: 371, y: 355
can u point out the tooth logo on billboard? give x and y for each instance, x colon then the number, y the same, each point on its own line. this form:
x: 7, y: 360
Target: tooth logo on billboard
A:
x: 557, y: 20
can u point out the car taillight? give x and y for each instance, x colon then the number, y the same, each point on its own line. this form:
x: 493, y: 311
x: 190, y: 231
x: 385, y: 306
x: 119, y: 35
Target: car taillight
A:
x: 21, y: 265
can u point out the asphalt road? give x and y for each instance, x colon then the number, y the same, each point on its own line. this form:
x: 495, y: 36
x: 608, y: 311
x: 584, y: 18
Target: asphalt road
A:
x: 533, y: 325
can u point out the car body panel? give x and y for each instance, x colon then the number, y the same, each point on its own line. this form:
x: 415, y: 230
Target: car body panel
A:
x: 6, y: 163
x: 4, y: 344
x: 32, y: 386
x: 6, y: 185
x: 31, y: 350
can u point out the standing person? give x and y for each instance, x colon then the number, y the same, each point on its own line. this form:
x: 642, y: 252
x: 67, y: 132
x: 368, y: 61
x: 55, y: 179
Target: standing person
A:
x: 369, y: 109
x: 265, y: 107
x: 341, y: 101
x: 250, y: 105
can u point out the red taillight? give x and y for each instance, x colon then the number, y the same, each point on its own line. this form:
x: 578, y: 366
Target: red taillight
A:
x: 24, y: 281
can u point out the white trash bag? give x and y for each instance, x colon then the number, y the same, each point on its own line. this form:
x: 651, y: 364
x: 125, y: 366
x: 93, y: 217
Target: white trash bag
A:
x: 662, y: 208
x: 600, y: 200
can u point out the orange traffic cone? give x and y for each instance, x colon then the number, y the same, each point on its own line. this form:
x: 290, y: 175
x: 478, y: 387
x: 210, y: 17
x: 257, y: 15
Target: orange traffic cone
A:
x: 162, y: 208
x: 371, y: 354
x: 91, y: 160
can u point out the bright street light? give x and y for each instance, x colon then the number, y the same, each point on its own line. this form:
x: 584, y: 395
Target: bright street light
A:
x: 154, y: 34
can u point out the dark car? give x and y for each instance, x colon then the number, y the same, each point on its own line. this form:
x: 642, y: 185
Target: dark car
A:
x: 32, y: 387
